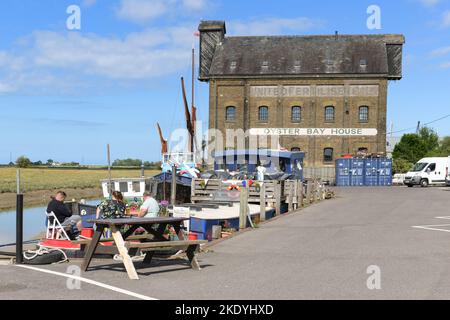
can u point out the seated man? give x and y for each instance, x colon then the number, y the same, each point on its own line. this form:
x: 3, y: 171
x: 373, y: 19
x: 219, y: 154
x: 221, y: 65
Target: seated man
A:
x: 150, y: 207
x: 62, y: 213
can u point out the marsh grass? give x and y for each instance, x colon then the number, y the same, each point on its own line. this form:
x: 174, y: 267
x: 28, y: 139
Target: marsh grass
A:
x: 49, y: 179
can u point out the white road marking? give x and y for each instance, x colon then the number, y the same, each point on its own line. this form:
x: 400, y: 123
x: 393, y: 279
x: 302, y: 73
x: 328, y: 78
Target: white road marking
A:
x: 431, y: 227
x: 95, y: 283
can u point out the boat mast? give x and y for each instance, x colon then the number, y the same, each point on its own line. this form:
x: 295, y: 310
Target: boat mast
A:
x: 193, y: 108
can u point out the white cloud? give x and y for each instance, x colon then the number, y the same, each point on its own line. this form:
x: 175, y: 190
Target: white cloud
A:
x: 6, y: 88
x: 446, y: 19
x: 88, y: 3
x: 440, y: 52
x: 445, y: 65
x: 70, y: 61
x: 430, y: 3
x: 273, y: 26
x: 142, y: 10
x: 147, y: 54
x: 194, y: 4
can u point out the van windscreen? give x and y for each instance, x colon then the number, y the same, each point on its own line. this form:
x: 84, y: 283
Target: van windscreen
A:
x: 419, y: 166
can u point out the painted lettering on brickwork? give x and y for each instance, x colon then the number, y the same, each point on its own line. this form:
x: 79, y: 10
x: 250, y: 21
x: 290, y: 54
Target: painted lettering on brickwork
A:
x: 318, y: 91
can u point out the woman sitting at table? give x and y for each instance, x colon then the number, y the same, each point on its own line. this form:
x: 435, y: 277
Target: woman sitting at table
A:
x: 114, y: 208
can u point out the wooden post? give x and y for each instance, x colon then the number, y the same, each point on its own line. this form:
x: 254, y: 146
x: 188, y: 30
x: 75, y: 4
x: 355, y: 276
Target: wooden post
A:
x: 309, y: 186
x: 19, y: 222
x: 243, y: 205
x: 314, y: 191
x: 295, y: 194
x: 108, y: 151
x: 300, y: 194
x: 291, y: 196
x: 262, y: 202
x: 192, y: 190
x: 277, y: 196
x: 173, y: 189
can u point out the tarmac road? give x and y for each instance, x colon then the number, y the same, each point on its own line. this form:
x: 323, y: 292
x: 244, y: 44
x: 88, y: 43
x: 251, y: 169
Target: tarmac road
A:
x: 321, y: 252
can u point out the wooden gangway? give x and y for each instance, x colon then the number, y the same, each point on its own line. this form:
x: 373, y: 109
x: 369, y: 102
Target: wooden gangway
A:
x: 295, y: 193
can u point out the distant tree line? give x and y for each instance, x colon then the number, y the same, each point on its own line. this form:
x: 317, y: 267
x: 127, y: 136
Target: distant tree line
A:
x: 25, y: 162
x: 415, y: 146
x: 135, y: 163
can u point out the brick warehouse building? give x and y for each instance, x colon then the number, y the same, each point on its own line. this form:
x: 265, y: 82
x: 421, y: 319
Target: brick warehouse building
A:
x: 325, y: 95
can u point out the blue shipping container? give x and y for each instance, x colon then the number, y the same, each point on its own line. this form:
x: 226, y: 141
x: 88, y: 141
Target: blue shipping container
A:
x: 357, y: 172
x: 385, y: 172
x: 343, y: 172
x: 371, y: 172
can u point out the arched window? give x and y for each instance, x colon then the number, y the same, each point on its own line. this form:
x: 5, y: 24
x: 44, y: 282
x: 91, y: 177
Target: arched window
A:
x: 363, y: 114
x: 329, y: 114
x: 263, y: 113
x: 296, y: 114
x: 328, y: 155
x: 230, y: 113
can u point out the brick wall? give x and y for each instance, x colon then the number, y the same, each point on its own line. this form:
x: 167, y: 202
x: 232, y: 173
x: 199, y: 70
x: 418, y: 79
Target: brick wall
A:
x: 236, y: 93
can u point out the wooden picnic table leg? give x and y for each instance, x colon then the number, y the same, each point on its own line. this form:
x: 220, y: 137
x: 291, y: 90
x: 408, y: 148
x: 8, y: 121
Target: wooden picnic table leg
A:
x: 128, y: 263
x: 148, y: 257
x: 130, y: 231
x: 92, y: 246
x: 158, y: 233
x: 190, y: 253
x: 179, y: 231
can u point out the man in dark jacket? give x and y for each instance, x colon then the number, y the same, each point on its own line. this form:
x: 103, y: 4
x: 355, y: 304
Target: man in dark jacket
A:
x: 62, y: 213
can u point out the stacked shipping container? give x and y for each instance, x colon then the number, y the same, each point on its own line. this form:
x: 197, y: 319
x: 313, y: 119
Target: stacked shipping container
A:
x: 363, y: 172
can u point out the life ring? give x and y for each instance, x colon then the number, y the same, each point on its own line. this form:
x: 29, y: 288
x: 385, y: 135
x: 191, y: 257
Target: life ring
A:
x: 234, y: 187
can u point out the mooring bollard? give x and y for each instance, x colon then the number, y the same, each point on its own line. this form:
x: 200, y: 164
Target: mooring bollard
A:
x: 19, y: 222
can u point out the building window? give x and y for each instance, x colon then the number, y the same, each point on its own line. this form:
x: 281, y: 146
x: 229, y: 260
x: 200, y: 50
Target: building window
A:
x: 263, y: 114
x: 230, y: 114
x: 328, y: 155
x: 364, y: 114
x: 295, y: 149
x: 329, y: 114
x: 362, y: 151
x: 296, y: 114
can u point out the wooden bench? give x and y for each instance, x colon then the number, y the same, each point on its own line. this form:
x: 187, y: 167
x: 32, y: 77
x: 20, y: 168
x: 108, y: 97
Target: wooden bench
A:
x: 123, y: 243
x: 135, y: 237
x: 191, y: 247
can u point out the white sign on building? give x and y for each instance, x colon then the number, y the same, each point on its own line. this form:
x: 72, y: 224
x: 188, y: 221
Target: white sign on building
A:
x: 313, y: 131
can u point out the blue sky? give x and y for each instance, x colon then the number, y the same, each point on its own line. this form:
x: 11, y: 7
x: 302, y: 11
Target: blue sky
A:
x: 65, y: 94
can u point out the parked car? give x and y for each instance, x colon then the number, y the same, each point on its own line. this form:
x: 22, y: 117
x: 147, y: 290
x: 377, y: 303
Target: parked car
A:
x: 428, y: 171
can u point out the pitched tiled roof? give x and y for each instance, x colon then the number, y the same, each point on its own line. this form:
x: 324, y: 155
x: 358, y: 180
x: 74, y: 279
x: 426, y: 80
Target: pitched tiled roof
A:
x: 302, y: 55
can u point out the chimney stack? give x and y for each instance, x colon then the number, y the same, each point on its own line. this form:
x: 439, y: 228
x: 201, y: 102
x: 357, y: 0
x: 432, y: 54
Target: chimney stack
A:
x: 212, y: 33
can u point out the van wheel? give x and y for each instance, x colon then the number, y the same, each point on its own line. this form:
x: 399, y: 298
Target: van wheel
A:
x: 424, y: 183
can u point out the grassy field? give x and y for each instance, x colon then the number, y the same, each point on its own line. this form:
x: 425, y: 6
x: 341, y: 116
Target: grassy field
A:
x: 33, y: 179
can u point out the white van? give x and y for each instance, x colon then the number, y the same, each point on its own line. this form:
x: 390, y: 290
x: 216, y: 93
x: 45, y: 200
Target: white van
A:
x: 447, y: 178
x: 428, y: 171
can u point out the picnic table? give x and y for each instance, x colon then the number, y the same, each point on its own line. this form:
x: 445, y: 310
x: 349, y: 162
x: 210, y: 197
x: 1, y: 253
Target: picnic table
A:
x: 154, y: 226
